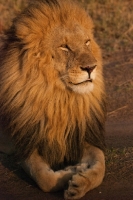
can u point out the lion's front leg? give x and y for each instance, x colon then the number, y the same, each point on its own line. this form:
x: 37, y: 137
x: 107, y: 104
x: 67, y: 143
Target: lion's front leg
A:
x: 44, y: 176
x: 90, y: 173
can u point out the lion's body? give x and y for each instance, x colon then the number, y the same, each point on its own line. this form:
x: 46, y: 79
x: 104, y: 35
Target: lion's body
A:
x: 51, y: 86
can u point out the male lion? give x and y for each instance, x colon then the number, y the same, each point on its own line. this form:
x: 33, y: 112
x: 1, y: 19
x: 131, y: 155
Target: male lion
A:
x: 52, y: 101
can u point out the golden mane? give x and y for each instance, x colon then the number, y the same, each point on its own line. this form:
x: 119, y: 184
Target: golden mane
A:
x: 36, y: 109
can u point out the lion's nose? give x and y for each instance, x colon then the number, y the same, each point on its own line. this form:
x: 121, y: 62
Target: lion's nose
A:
x: 89, y: 68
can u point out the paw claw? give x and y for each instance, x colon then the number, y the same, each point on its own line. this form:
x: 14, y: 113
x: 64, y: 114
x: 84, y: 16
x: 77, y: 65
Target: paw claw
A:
x: 77, y: 187
x: 69, y: 194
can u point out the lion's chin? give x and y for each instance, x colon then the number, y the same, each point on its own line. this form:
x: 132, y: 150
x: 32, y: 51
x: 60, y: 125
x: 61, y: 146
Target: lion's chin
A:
x: 83, y: 88
x: 82, y: 82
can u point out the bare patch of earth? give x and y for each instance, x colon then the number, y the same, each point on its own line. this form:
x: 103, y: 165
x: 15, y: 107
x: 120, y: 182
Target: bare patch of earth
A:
x: 118, y: 182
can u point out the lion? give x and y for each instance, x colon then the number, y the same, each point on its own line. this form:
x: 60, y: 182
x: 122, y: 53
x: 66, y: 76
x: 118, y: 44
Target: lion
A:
x: 52, y: 97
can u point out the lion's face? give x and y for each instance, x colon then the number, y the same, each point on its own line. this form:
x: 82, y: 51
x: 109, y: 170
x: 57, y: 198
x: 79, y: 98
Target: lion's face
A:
x: 74, y: 59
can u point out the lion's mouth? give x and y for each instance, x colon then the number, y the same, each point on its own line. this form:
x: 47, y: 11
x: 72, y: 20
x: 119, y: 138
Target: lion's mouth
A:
x: 88, y: 80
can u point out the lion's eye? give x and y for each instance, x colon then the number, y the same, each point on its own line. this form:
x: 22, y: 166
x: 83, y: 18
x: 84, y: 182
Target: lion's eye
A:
x: 88, y: 42
x: 64, y: 48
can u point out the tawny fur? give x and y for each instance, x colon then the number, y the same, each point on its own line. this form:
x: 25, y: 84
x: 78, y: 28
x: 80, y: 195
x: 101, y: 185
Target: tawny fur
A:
x: 39, y: 109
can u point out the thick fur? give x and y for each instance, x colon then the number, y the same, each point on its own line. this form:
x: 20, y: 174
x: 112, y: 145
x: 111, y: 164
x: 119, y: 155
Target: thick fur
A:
x: 44, y: 105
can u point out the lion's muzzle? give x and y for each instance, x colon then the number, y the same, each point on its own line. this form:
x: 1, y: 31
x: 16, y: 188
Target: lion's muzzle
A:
x: 89, y: 70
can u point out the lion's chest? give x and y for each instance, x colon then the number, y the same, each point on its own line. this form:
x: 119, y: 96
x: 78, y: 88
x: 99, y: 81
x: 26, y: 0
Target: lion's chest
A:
x: 59, y: 156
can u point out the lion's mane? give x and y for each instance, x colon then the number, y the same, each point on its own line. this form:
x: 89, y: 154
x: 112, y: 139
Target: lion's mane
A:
x: 35, y: 109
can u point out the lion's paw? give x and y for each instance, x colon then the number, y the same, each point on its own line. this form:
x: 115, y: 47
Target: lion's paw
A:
x: 78, y: 187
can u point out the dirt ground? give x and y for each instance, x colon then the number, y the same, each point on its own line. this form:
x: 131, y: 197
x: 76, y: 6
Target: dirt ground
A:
x: 118, y: 181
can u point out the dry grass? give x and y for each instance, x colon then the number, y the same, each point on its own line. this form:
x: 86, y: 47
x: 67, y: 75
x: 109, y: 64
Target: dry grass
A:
x: 113, y: 21
x: 8, y: 10
x: 120, y: 161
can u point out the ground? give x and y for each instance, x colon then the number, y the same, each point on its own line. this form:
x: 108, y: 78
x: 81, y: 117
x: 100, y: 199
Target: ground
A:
x: 118, y: 181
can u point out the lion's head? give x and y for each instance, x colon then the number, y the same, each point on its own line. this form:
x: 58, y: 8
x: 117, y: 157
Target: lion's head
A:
x: 74, y: 59
x: 51, y: 83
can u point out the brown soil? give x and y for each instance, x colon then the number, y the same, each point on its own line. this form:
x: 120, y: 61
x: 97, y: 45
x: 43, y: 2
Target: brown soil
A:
x: 118, y: 182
